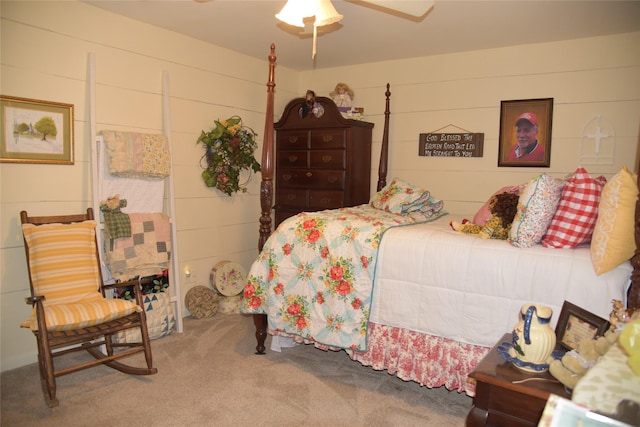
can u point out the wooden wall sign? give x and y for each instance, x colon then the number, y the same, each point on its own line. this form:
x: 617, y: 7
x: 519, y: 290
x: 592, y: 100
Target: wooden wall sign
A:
x: 451, y: 144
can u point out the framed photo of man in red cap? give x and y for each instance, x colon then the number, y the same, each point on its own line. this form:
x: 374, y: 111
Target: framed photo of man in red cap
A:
x: 525, y: 133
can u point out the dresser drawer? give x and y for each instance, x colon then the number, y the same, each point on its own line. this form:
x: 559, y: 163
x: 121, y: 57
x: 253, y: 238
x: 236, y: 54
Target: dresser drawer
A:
x: 328, y: 159
x: 328, y: 138
x: 287, y: 159
x: 309, y: 178
x: 292, y: 139
x: 325, y: 199
x: 294, y: 198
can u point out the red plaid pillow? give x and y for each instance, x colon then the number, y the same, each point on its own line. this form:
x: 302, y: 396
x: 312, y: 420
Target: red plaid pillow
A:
x: 575, y: 217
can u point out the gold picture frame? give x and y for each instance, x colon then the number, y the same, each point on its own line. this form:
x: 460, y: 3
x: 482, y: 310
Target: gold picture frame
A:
x: 534, y: 150
x: 35, y: 131
x: 576, y: 324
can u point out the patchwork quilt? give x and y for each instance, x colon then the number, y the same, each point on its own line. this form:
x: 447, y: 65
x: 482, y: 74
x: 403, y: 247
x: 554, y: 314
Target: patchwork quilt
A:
x: 146, y: 252
x: 314, y: 276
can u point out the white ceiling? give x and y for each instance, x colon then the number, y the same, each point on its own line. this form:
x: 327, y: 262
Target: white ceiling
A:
x: 367, y: 34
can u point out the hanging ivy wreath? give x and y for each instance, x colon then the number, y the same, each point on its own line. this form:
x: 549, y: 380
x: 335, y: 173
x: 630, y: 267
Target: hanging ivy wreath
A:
x: 229, y: 150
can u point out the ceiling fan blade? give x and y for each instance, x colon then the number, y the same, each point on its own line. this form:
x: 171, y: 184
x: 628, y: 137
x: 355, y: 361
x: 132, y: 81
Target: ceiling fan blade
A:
x: 417, y: 8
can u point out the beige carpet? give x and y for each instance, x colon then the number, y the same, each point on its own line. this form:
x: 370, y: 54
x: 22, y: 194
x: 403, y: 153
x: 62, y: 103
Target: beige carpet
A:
x: 209, y: 376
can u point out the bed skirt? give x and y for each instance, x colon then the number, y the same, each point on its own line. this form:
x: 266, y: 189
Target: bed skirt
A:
x: 426, y: 359
x: 429, y: 360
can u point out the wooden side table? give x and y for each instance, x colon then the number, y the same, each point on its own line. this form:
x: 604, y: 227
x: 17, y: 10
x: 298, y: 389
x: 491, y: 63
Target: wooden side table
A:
x: 507, y: 396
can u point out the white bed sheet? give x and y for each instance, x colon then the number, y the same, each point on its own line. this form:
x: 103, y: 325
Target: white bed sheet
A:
x: 432, y: 279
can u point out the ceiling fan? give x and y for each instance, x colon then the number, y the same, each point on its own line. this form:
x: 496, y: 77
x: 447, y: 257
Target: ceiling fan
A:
x: 414, y: 8
x: 409, y: 8
x: 319, y: 13
x: 323, y: 13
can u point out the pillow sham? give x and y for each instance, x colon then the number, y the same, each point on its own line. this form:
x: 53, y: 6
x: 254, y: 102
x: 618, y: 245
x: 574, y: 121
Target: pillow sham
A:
x: 425, y: 207
x: 577, y: 211
x: 394, y: 195
x: 536, y: 206
x: 483, y: 214
x: 613, y: 241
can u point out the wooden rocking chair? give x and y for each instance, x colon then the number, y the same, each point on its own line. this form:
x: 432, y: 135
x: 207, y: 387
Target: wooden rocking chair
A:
x: 71, y: 312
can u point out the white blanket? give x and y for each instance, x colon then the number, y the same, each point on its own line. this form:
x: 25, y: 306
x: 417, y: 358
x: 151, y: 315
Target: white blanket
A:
x: 142, y: 195
x: 432, y: 279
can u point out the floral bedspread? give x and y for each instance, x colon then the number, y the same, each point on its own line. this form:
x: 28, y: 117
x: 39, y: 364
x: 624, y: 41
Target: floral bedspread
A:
x: 314, y: 276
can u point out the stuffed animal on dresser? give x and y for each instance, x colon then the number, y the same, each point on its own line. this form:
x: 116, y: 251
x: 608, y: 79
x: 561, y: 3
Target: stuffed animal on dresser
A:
x: 503, y: 209
x: 342, y: 95
x: 575, y: 363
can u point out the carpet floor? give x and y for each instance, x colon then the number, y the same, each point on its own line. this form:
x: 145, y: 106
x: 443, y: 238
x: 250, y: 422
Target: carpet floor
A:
x: 209, y: 376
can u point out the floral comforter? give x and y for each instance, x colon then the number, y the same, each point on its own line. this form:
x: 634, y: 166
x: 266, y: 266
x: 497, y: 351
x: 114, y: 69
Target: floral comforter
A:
x: 314, y: 276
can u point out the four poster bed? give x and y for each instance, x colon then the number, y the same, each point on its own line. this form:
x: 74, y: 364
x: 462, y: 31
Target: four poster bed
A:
x: 441, y: 298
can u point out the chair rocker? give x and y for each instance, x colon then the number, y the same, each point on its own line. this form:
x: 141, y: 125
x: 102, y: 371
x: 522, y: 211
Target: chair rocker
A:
x: 70, y: 309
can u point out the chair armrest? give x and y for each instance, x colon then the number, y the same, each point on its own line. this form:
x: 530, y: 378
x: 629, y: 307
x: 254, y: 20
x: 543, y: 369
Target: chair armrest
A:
x: 36, y: 302
x: 34, y: 299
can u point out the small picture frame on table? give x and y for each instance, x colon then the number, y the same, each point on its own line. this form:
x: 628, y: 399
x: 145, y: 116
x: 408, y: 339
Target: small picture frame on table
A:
x: 576, y: 324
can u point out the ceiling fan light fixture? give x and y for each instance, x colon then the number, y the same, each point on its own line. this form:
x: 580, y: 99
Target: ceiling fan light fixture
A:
x: 295, y: 11
x: 326, y: 14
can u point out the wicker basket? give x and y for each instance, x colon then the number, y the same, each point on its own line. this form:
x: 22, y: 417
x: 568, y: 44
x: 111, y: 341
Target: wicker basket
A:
x: 201, y: 302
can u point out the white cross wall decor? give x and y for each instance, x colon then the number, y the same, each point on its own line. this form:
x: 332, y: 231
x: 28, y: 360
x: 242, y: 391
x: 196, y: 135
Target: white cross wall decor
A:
x: 598, y: 142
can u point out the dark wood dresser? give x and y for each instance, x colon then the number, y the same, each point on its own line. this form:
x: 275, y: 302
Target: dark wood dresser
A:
x: 323, y: 161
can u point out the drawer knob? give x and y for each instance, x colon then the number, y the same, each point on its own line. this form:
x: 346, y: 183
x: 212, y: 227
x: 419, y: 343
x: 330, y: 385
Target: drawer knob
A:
x: 292, y: 159
x: 332, y: 179
x: 325, y: 201
x: 309, y: 174
x: 291, y: 196
x: 286, y: 176
x: 293, y: 139
x: 327, y: 138
x: 326, y: 158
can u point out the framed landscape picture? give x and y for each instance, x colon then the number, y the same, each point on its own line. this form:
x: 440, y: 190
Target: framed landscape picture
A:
x: 34, y: 131
x: 525, y: 133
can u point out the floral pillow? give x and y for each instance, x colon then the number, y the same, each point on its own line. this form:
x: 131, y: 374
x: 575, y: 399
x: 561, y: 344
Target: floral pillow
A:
x: 575, y: 217
x: 396, y: 194
x: 536, y: 207
x: 612, y: 242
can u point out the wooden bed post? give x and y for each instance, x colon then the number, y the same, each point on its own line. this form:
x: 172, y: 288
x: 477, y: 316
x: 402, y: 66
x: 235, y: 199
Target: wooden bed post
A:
x: 384, y: 151
x: 266, y: 185
x: 266, y: 189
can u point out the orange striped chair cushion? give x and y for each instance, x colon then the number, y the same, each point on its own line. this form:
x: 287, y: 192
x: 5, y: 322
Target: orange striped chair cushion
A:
x: 64, y: 268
